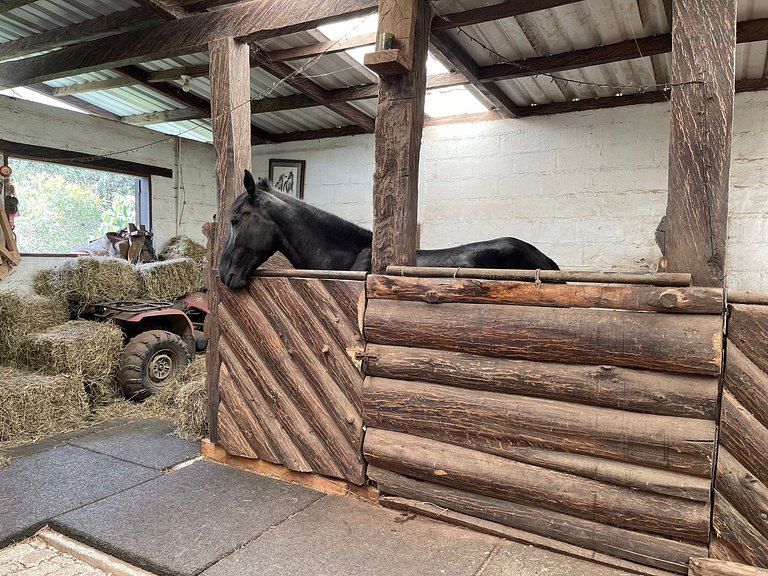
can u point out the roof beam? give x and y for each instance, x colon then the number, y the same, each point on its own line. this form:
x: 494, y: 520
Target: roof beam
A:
x: 250, y: 21
x: 7, y: 5
x: 94, y: 86
x: 167, y: 9
x: 314, y: 91
x: 318, y: 134
x: 148, y: 118
x: 321, y: 48
x: 125, y: 21
x: 507, y: 9
x: 76, y: 102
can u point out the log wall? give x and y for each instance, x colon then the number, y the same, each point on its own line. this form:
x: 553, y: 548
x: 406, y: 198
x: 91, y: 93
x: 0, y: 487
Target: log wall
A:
x: 578, y: 413
x: 289, y: 383
x: 740, y: 518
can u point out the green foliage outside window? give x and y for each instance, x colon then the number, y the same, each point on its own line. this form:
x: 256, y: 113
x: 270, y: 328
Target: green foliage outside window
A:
x: 64, y: 207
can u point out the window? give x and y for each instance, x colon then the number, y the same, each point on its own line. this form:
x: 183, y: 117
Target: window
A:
x: 64, y: 207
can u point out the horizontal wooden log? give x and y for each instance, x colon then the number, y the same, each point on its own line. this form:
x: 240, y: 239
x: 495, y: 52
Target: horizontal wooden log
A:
x: 745, y: 492
x: 748, y: 329
x: 501, y: 424
x: 634, y: 546
x: 479, y: 291
x: 609, y: 386
x: 495, y: 529
x: 759, y: 298
x: 688, y: 343
x: 744, y: 437
x: 747, y: 383
x: 497, y: 477
x: 327, y: 274
x: 658, y: 279
x: 721, y: 550
x: 732, y: 527
x: 713, y: 567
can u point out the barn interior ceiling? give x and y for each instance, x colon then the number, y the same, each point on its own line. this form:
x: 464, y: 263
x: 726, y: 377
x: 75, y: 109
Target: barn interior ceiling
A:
x: 145, y: 62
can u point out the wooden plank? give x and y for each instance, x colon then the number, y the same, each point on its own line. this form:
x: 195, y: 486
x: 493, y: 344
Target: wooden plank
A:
x: 166, y: 9
x: 732, y: 527
x: 510, y: 422
x: 748, y: 329
x: 744, y: 437
x: 634, y: 546
x: 313, y: 481
x: 687, y: 343
x: 124, y: 21
x: 324, y: 48
x: 147, y: 118
x: 230, y: 93
x: 607, y: 386
x: 8, y: 5
x: 94, y: 86
x: 703, y: 75
x: 497, y: 477
x: 747, y: 383
x: 760, y: 298
x: 479, y: 291
x: 743, y: 491
x: 712, y: 567
x: 177, y: 73
x: 247, y: 21
x: 399, y: 124
x: 721, y: 550
x: 660, y: 279
x: 508, y: 9
x: 398, y: 18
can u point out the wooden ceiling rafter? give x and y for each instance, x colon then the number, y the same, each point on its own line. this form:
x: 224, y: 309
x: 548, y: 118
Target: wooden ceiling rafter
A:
x: 166, y: 9
x: 508, y: 9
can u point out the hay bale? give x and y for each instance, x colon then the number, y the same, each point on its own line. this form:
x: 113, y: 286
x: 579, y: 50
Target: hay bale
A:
x: 89, y: 349
x: 24, y: 315
x: 183, y: 247
x: 186, y: 401
x: 170, y: 279
x: 34, y: 405
x: 89, y: 279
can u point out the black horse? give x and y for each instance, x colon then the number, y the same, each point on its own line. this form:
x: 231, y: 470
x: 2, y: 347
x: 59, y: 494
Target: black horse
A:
x: 265, y: 221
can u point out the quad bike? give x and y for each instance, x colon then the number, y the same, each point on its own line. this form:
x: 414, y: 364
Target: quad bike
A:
x: 161, y: 339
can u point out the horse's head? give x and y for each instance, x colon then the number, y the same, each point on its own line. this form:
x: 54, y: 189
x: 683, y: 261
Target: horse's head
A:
x: 253, y: 238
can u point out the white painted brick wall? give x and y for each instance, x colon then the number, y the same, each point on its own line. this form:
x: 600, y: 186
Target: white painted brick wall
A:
x: 588, y: 189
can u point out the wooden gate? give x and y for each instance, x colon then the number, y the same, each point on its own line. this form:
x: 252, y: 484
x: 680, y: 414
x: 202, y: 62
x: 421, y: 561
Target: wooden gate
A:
x: 584, y: 414
x: 289, y: 389
x: 740, y: 518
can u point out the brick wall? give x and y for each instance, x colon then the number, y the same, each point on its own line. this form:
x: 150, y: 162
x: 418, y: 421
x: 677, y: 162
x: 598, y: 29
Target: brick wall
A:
x: 588, y: 189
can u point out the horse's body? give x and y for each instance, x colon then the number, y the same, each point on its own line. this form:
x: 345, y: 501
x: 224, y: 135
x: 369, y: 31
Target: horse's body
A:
x: 265, y: 221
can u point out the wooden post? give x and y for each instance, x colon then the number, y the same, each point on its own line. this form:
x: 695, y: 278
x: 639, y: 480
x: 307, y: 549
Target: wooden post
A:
x: 703, y: 75
x: 230, y: 117
x: 399, y: 122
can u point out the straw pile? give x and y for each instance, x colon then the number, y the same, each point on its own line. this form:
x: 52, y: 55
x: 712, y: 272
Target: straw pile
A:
x: 169, y: 279
x: 186, y: 401
x: 33, y: 406
x: 185, y: 247
x: 24, y: 315
x: 88, y: 349
x: 89, y: 279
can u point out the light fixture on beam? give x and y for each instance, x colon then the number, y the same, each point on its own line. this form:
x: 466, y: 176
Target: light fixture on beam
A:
x: 186, y: 79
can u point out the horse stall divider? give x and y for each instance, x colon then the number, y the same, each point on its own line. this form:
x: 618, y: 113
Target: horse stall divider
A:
x: 740, y: 518
x: 577, y: 414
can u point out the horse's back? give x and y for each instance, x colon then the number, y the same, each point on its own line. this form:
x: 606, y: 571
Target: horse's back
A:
x: 508, y: 252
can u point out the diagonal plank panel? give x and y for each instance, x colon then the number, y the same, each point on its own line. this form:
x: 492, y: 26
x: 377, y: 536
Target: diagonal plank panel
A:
x: 290, y: 389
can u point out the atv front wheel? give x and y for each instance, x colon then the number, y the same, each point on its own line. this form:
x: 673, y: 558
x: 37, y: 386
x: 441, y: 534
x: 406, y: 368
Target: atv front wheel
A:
x: 149, y: 362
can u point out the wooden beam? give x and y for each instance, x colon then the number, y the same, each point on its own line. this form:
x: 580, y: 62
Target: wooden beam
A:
x: 312, y: 50
x: 507, y: 9
x: 703, y: 74
x: 125, y: 21
x: 94, y: 86
x: 230, y: 93
x: 162, y: 117
x: 8, y: 5
x: 449, y: 47
x: 399, y: 124
x: 319, y: 134
x: 76, y: 102
x: 167, y: 9
x: 250, y: 21
x: 177, y: 73
x: 312, y: 90
x: 712, y: 567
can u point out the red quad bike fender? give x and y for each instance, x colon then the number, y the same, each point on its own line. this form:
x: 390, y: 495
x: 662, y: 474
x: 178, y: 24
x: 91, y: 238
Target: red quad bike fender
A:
x: 170, y: 319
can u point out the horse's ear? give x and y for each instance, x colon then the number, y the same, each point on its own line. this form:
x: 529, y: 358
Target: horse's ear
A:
x: 250, y: 185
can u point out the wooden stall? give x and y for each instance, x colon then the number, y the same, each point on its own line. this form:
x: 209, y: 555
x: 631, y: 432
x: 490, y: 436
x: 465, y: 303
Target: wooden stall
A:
x: 580, y: 413
x: 740, y: 517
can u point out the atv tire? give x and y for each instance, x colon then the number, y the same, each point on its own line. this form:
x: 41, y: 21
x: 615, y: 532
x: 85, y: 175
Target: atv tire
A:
x: 149, y: 362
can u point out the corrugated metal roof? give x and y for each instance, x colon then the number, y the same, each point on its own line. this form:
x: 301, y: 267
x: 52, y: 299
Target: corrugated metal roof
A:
x: 576, y: 26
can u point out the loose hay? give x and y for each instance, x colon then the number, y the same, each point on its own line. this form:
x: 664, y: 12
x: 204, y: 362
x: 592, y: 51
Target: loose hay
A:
x: 170, y: 279
x: 33, y: 405
x: 89, y: 349
x: 24, y: 315
x: 186, y: 401
x: 183, y: 247
x: 89, y: 279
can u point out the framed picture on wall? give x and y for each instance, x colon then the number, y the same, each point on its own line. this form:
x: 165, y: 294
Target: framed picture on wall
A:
x: 288, y: 176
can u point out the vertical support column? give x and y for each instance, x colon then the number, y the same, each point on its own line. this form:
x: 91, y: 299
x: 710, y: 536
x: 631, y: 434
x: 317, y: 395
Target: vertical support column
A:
x: 703, y: 69
x: 399, y: 123
x: 231, y: 120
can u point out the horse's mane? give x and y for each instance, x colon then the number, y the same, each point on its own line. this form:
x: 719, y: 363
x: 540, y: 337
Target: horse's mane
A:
x: 328, y: 224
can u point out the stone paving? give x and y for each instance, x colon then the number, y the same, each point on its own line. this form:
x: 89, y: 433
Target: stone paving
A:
x: 35, y: 557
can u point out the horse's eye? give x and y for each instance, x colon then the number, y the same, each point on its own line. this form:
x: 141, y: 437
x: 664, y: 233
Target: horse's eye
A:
x: 234, y: 221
